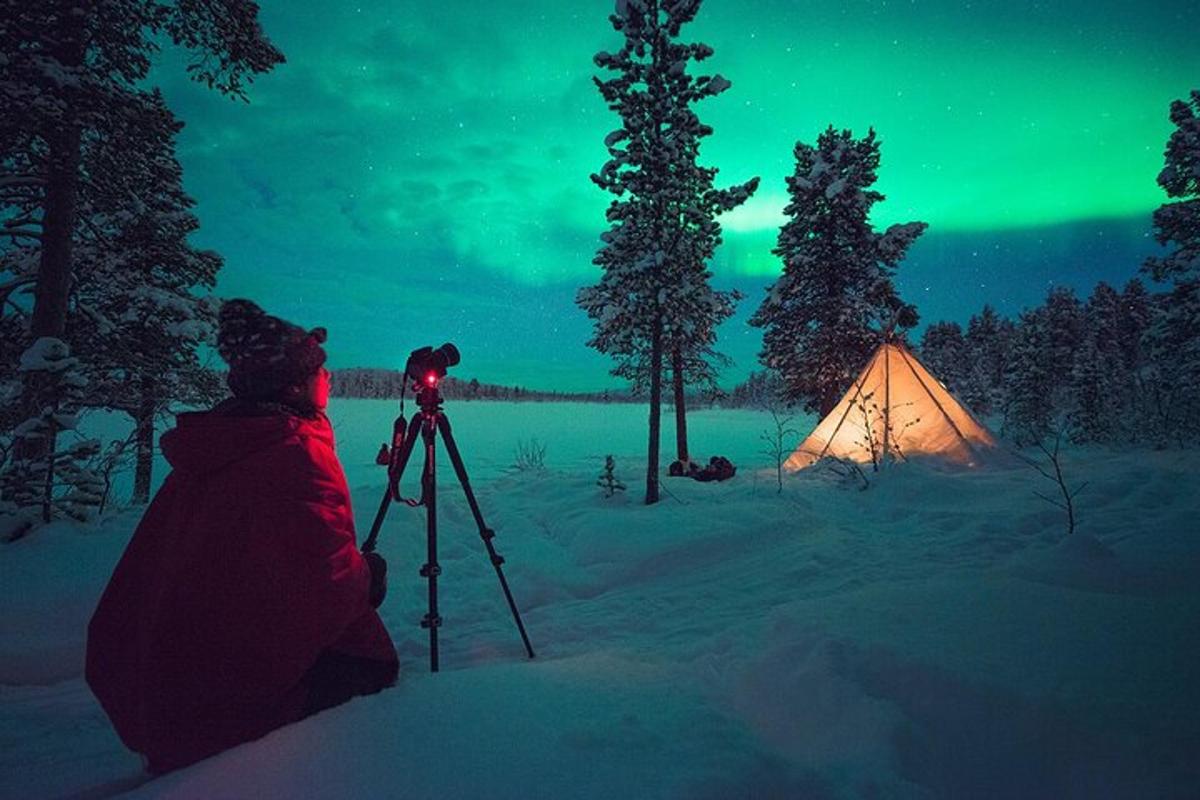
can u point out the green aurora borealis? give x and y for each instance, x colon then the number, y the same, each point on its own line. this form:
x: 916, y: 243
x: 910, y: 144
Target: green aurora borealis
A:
x: 419, y: 172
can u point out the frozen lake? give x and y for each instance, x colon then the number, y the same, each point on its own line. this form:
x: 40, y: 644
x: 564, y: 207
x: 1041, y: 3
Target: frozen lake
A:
x: 577, y: 437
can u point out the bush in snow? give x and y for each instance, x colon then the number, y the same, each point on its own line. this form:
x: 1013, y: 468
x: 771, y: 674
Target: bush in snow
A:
x: 608, y: 478
x: 36, y: 485
x: 1052, y: 470
x: 530, y: 456
x: 778, y: 439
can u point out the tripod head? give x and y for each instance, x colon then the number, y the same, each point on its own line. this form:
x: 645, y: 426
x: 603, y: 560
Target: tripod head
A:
x: 428, y: 397
x: 426, y: 366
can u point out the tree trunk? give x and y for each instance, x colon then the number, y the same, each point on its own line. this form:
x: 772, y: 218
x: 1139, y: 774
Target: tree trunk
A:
x: 54, y: 270
x: 49, y: 317
x: 53, y: 284
x: 681, y: 443
x: 145, y: 449
x: 656, y: 361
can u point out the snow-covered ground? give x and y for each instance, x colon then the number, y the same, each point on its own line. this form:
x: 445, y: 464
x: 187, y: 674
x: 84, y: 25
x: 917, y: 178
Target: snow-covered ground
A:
x: 934, y: 636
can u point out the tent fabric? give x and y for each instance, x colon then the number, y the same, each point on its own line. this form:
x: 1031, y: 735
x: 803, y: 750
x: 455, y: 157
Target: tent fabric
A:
x: 896, y: 409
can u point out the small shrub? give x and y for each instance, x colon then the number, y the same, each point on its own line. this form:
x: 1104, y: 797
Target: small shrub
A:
x: 530, y: 456
x: 608, y: 479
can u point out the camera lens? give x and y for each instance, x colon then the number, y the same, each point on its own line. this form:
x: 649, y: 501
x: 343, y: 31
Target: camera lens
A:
x: 449, y: 353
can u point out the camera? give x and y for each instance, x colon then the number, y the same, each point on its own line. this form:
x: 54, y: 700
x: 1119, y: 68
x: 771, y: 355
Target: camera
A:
x: 427, y: 365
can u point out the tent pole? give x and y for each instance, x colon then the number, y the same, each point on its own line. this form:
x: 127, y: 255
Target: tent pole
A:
x: 858, y: 385
x: 887, y: 400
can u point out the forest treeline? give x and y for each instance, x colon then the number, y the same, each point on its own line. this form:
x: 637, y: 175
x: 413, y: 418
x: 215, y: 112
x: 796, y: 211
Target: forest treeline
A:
x: 371, y: 383
x: 1119, y: 366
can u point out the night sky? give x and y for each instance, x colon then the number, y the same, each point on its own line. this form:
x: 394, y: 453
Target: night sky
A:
x: 418, y: 172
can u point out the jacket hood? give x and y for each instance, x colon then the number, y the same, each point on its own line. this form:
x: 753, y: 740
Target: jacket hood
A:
x: 206, y: 441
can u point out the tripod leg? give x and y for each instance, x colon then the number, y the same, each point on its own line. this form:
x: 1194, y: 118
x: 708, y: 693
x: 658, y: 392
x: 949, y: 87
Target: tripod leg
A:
x: 432, y: 569
x: 485, y: 533
x: 395, y: 470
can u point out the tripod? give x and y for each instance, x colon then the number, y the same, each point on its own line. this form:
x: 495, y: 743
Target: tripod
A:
x: 426, y: 424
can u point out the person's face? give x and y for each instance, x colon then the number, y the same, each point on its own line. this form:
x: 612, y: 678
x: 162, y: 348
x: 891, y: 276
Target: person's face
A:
x: 317, y: 389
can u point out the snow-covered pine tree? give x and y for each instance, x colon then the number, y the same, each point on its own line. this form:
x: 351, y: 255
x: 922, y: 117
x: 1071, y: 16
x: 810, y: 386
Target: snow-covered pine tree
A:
x: 821, y: 318
x: 989, y: 343
x: 138, y: 318
x: 1135, y: 314
x: 690, y: 328
x: 1028, y: 380
x: 695, y: 309
x: 944, y: 351
x: 1091, y: 416
x: 135, y: 321
x: 1172, y: 341
x: 608, y: 480
x: 64, y: 65
x: 760, y: 388
x: 1171, y: 378
x: 1038, y: 383
x: 1177, y: 224
x: 654, y: 292
x: 1100, y: 391
x: 36, y: 483
x: 1065, y: 326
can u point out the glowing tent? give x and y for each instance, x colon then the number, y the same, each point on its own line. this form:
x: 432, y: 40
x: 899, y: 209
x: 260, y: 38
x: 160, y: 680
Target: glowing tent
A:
x: 895, y: 410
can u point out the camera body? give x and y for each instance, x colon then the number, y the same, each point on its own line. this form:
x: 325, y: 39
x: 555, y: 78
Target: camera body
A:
x: 427, y: 365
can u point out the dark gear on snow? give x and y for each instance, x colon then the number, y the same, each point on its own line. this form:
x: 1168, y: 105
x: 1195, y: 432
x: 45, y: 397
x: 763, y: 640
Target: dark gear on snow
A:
x: 719, y: 469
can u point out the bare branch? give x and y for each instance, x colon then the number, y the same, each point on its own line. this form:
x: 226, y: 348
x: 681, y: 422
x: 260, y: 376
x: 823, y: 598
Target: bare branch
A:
x: 1050, y: 500
x: 21, y: 233
x: 1068, y: 496
x: 21, y: 180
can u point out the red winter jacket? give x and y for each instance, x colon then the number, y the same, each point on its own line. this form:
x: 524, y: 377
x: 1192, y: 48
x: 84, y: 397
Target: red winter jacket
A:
x: 243, y: 569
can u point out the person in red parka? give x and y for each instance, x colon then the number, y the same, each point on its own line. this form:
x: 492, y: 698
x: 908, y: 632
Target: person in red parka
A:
x: 242, y: 602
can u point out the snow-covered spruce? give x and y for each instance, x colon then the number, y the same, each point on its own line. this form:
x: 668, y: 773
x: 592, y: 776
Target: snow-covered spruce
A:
x: 75, y: 165
x: 989, y: 344
x: 654, y: 307
x: 39, y: 482
x: 821, y: 318
x: 1173, y: 340
x: 136, y: 319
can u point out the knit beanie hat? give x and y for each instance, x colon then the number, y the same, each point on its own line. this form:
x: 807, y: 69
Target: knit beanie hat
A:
x: 266, y: 355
